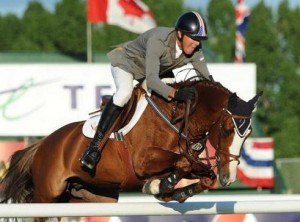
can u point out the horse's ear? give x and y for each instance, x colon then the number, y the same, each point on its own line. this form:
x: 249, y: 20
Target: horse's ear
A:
x: 232, y: 102
x: 253, y: 102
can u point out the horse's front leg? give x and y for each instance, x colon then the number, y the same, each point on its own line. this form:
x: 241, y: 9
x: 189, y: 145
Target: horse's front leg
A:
x: 183, y: 193
x: 167, y: 185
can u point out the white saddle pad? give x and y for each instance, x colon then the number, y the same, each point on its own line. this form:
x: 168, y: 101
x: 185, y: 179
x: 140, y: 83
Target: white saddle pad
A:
x: 90, y: 126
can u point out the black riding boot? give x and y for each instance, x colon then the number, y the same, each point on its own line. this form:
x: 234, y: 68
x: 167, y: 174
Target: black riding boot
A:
x: 92, y: 155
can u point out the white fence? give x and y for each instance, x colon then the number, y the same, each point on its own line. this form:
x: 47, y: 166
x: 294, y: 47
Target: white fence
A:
x: 137, y: 206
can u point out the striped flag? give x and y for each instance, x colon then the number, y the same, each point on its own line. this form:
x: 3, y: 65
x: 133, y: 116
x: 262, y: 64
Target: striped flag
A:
x: 242, y: 13
x: 256, y: 167
x: 132, y: 15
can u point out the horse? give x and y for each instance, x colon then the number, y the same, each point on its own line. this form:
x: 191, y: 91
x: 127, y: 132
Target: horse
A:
x: 166, y: 144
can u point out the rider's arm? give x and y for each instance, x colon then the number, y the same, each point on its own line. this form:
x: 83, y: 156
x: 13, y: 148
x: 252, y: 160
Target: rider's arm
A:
x: 154, y: 51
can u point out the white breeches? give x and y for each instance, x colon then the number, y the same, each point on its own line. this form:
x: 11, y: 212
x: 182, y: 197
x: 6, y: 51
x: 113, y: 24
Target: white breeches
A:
x: 124, y: 86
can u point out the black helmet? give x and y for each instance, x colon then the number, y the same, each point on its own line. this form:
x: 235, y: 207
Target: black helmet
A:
x: 193, y: 25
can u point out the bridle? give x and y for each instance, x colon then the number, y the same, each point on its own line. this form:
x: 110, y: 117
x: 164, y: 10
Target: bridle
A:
x: 188, y: 150
x: 219, y: 150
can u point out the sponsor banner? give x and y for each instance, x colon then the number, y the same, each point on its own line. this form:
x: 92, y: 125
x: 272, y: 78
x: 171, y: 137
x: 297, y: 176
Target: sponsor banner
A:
x: 36, y: 99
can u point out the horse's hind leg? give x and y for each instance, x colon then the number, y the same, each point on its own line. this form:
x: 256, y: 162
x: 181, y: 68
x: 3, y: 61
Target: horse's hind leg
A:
x: 83, y: 195
x: 48, y: 193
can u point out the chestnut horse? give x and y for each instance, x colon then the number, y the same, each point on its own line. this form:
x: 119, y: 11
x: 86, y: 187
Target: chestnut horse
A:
x: 166, y: 145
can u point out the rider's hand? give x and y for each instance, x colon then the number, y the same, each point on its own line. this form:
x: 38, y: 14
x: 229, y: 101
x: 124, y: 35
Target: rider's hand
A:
x: 185, y: 94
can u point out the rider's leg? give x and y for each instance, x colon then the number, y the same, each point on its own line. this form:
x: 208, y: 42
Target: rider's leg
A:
x: 108, y: 117
x: 124, y: 87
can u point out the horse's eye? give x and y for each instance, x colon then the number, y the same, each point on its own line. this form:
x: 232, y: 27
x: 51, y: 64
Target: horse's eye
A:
x: 227, y: 131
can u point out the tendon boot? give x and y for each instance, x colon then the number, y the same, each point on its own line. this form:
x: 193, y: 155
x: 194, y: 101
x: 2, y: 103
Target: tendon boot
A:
x: 92, y: 155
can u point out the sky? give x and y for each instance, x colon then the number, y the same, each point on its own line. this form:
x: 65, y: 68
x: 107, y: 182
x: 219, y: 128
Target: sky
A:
x: 18, y: 6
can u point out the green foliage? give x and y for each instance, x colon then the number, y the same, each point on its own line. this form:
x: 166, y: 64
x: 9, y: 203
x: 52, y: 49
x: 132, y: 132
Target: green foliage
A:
x: 10, y: 29
x: 35, y: 23
x: 289, y: 30
x: 166, y: 12
x: 263, y: 49
x: 221, y: 31
x: 69, y: 34
x: 270, y: 46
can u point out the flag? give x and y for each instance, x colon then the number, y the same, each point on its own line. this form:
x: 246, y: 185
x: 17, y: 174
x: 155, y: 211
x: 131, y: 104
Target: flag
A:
x: 242, y: 13
x: 256, y: 168
x: 132, y: 15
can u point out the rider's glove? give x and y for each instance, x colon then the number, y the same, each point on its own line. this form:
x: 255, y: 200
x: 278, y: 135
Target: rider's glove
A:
x: 185, y: 94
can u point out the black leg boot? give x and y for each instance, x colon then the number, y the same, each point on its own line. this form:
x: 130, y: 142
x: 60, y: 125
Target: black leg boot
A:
x: 92, y: 155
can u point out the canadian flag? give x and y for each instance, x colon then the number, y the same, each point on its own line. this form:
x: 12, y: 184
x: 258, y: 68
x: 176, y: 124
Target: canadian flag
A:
x: 132, y: 15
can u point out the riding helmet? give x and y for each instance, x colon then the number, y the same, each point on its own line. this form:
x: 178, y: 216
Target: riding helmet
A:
x: 193, y: 25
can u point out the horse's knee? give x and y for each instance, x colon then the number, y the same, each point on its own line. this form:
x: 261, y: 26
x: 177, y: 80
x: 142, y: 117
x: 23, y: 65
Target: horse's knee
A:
x: 183, y: 165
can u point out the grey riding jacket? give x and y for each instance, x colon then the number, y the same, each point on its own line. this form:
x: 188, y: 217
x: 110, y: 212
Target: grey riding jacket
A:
x: 152, y: 54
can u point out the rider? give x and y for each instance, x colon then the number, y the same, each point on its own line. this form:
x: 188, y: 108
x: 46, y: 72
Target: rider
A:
x: 154, y: 52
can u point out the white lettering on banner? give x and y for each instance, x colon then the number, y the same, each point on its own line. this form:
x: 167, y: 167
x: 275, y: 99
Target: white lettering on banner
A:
x: 36, y: 99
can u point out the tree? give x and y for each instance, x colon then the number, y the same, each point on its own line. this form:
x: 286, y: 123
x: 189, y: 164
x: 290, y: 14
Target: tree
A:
x: 10, y: 29
x: 286, y: 120
x: 289, y: 31
x: 35, y: 23
x: 70, y: 26
x: 221, y: 32
x: 270, y: 49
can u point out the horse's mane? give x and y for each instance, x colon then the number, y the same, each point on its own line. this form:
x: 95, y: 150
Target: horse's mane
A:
x: 206, y: 83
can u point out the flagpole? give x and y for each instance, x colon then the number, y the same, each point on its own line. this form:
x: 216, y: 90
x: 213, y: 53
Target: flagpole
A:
x: 89, y: 41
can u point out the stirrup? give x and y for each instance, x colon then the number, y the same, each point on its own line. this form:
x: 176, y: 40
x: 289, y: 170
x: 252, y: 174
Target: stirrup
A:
x: 90, y: 158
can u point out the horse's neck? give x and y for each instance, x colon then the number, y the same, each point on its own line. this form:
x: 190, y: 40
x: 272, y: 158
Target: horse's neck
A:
x: 213, y: 95
x: 212, y: 100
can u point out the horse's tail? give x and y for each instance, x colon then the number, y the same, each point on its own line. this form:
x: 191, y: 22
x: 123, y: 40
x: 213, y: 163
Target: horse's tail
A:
x: 16, y: 184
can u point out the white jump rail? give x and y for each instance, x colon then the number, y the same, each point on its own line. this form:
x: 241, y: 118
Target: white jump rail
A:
x: 137, y: 206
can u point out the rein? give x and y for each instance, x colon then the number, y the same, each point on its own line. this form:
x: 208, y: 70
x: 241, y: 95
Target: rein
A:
x: 164, y: 117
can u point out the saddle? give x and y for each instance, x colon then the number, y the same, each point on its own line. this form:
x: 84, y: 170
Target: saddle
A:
x: 125, y: 121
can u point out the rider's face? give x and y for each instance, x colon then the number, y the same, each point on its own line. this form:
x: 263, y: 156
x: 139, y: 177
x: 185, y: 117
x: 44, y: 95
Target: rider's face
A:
x: 188, y: 45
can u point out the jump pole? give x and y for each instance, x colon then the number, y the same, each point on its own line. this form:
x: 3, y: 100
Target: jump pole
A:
x: 200, y: 205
